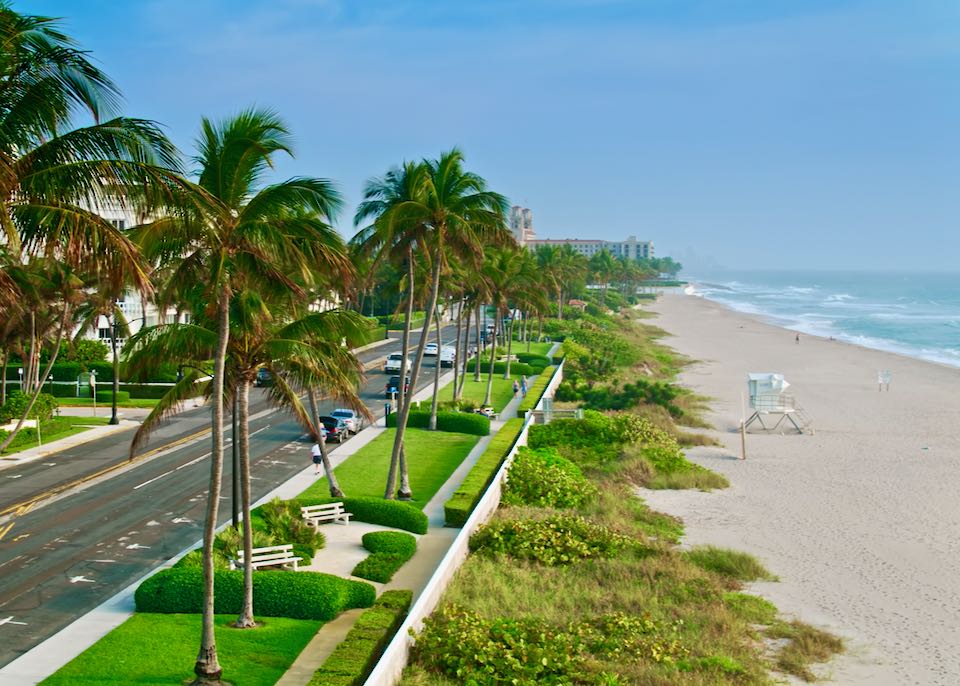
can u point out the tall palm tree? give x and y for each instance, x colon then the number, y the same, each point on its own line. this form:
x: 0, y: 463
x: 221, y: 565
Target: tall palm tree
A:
x: 227, y: 231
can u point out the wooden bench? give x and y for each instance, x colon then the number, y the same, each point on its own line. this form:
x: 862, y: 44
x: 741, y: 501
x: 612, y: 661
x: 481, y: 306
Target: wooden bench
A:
x: 270, y: 556
x: 329, y: 512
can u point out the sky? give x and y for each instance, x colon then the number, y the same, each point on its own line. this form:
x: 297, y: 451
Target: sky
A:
x: 809, y: 134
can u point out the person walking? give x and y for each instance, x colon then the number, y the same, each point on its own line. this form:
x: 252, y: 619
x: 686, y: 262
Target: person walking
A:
x: 798, y: 339
x: 317, y: 457
x: 523, y: 386
x: 516, y: 388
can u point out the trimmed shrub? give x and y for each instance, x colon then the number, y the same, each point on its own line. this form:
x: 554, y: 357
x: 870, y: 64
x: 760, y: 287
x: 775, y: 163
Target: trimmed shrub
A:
x: 500, y: 367
x: 392, y: 513
x: 453, y: 422
x: 352, y: 661
x: 145, y: 392
x: 557, y: 540
x: 304, y: 595
x: 544, y: 478
x: 533, y: 359
x: 389, y: 551
x: 464, y: 499
x: 107, y: 396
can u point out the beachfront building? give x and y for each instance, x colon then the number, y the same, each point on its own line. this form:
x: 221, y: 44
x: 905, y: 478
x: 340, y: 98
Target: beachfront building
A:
x: 631, y: 248
x: 521, y: 224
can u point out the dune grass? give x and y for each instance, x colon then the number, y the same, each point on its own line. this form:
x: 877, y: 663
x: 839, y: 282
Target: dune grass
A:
x: 729, y: 563
x: 154, y: 650
x: 432, y: 456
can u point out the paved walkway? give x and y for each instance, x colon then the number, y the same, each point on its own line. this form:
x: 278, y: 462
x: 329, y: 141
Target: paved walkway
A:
x: 343, y: 551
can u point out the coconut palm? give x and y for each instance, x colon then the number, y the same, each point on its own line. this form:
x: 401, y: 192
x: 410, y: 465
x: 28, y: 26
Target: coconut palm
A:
x: 227, y: 231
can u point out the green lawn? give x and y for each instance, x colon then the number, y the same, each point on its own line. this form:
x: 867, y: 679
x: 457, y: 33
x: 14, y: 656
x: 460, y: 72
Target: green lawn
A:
x: 52, y: 430
x: 147, y: 403
x: 432, y: 456
x: 160, y: 650
x: 501, y: 394
x: 537, y: 348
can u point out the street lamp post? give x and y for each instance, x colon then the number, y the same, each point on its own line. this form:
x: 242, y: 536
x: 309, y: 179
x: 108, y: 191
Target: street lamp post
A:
x: 114, y: 418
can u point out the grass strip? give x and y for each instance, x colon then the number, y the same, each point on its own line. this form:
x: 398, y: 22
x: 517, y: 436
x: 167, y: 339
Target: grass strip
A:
x: 158, y: 650
x: 143, y: 403
x: 52, y: 430
x: 432, y: 456
x: 476, y: 391
x: 464, y: 499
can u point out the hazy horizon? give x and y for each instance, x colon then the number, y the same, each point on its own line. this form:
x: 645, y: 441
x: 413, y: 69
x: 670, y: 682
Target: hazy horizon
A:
x: 818, y: 134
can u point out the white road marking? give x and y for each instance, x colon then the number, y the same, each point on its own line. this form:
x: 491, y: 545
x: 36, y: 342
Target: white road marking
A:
x: 15, y: 476
x: 81, y: 579
x: 182, y: 520
x: 153, y: 523
x: 137, y: 546
x: 9, y: 620
x: 150, y: 481
x: 103, y: 561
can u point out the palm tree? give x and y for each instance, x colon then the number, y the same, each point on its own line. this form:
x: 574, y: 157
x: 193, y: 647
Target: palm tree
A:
x: 228, y: 231
x: 55, y: 179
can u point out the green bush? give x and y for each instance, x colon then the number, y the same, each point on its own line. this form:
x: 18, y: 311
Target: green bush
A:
x: 145, y: 392
x: 516, y: 368
x: 304, y: 595
x: 283, y: 522
x: 595, y: 429
x: 392, y: 513
x: 86, y: 350
x: 17, y: 402
x: 353, y: 659
x: 534, y: 359
x: 457, y: 510
x: 556, y: 540
x: 453, y: 422
x: 543, y: 478
x: 107, y: 396
x: 389, y: 551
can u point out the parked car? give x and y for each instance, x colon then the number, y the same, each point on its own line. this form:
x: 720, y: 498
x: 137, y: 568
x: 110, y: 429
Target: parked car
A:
x: 393, y: 386
x: 393, y: 363
x: 351, y: 418
x: 336, y: 428
x: 448, y: 355
x: 430, y: 350
x: 263, y: 378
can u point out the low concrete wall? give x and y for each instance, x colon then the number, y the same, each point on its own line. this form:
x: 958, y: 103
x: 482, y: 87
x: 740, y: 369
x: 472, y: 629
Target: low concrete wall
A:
x: 394, y: 659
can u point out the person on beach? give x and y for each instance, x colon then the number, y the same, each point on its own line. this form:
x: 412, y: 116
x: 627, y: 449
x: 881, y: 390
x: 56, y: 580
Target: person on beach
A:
x: 317, y: 457
x: 516, y: 388
x: 798, y: 339
x: 523, y: 387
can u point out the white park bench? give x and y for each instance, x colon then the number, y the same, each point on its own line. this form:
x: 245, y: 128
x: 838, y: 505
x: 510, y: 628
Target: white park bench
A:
x: 269, y: 557
x: 329, y: 512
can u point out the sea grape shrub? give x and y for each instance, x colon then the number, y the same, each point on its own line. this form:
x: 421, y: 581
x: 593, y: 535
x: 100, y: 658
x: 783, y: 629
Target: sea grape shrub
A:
x: 544, y: 478
x: 554, y: 541
x: 17, y: 402
x: 473, y: 650
x: 465, y: 646
x: 594, y: 430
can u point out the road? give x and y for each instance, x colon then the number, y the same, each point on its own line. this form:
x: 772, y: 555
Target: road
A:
x: 66, y: 555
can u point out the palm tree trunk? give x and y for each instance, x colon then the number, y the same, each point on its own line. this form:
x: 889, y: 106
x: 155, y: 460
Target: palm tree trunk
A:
x: 436, y: 374
x: 493, y: 357
x: 39, y: 386
x: 245, y: 620
x: 401, y: 396
x: 406, y: 493
x: 461, y: 352
x: 476, y: 367
x: 3, y: 381
x: 506, y: 367
x: 560, y: 303
x: 207, y: 667
x: 335, y: 491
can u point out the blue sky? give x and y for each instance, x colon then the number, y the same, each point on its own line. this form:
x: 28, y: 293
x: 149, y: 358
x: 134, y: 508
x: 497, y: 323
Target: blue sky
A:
x: 803, y: 134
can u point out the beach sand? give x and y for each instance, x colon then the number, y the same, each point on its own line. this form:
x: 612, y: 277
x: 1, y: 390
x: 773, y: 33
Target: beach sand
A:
x: 861, y: 519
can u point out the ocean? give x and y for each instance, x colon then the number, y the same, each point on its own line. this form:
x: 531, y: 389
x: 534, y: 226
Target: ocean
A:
x: 912, y: 314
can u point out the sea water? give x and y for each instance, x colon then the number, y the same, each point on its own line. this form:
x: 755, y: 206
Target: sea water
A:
x: 908, y: 313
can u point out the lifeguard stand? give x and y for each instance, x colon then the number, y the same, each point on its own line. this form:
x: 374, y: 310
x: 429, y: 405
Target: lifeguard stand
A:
x: 767, y: 398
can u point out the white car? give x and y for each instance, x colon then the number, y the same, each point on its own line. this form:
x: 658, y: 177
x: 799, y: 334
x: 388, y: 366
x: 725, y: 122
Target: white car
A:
x: 392, y: 365
x: 430, y: 350
x: 448, y: 355
x: 350, y: 418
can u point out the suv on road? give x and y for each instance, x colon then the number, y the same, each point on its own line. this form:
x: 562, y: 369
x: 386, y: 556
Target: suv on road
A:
x: 392, y: 365
x: 393, y: 386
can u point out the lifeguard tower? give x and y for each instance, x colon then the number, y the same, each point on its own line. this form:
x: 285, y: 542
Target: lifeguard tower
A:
x: 767, y: 399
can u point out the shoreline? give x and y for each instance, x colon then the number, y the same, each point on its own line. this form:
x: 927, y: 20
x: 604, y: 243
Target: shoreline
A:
x: 858, y: 519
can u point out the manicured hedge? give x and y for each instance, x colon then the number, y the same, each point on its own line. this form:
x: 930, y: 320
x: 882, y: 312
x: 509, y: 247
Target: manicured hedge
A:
x: 137, y: 391
x: 297, y: 595
x: 352, y: 661
x: 68, y: 371
x: 461, y: 503
x: 393, y: 513
x: 454, y: 422
x: 389, y: 551
x: 534, y: 359
x: 535, y: 392
x: 500, y: 367
x: 107, y: 396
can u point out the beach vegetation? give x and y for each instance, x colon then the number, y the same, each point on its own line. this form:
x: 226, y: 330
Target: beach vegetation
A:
x: 732, y: 564
x: 544, y: 478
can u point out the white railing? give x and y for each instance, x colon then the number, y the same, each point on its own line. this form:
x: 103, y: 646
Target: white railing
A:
x: 394, y: 658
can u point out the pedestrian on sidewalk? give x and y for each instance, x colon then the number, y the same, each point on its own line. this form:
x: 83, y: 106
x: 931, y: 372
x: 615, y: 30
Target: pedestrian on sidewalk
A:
x: 523, y: 386
x: 516, y: 388
x: 317, y: 457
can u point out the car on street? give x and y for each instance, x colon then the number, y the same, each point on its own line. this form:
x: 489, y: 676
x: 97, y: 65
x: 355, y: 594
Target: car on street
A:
x: 448, y: 355
x: 351, y: 418
x: 263, y: 378
x: 392, y: 387
x: 393, y: 363
x: 430, y: 350
x: 336, y: 428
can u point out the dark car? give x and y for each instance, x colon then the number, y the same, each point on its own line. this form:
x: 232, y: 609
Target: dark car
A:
x: 264, y: 378
x: 393, y: 386
x: 337, y: 429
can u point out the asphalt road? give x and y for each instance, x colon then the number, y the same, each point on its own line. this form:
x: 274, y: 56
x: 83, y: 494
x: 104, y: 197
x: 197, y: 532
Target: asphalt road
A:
x: 66, y: 555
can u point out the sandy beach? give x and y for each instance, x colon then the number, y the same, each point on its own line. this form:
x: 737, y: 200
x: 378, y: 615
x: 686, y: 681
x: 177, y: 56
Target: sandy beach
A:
x: 860, y: 519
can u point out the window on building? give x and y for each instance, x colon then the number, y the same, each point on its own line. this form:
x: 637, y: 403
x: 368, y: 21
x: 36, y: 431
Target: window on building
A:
x: 119, y: 223
x: 103, y: 334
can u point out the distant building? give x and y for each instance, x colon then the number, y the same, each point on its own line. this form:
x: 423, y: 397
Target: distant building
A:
x: 521, y: 224
x: 631, y: 248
